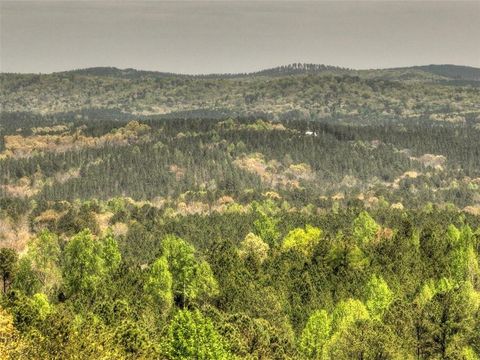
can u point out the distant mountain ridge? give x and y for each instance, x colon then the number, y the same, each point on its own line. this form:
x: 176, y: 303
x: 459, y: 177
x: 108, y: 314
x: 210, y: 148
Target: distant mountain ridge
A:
x: 305, y: 90
x: 422, y: 72
x: 290, y: 69
x: 456, y: 72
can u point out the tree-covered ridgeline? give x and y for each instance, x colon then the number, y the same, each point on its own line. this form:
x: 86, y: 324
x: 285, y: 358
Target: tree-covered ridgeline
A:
x: 322, y: 92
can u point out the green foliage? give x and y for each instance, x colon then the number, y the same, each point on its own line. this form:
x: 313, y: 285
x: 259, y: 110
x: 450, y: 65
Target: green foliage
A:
x: 316, y: 333
x: 390, y: 141
x: 132, y: 338
x: 266, y: 228
x: 76, y: 220
x: 303, y: 241
x: 347, y: 333
x: 426, y: 293
x: 356, y: 259
x: 344, y: 158
x: 453, y: 234
x: 469, y: 354
x: 347, y: 313
x: 88, y: 262
x: 254, y: 249
x: 193, y: 336
x: 159, y: 284
x: 356, y: 140
x: 463, y: 261
x: 41, y: 305
x: 330, y: 91
x: 8, y: 263
x: 212, y: 292
x: 83, y: 265
x: 448, y: 320
x: 26, y: 279
x: 365, y: 229
x: 44, y: 255
x: 365, y: 340
x: 256, y: 338
x: 192, y: 279
x: 30, y: 311
x: 110, y: 253
x: 379, y: 297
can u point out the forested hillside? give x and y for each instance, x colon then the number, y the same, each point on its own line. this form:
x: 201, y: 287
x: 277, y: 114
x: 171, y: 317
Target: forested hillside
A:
x: 300, y: 212
x: 315, y: 91
x: 185, y: 160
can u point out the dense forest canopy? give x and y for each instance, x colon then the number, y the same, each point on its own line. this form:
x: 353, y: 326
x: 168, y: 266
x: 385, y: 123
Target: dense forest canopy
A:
x: 314, y: 90
x: 300, y: 212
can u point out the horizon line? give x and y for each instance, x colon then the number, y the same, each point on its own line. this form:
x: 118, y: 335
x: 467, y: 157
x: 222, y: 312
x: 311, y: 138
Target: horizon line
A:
x: 233, y: 73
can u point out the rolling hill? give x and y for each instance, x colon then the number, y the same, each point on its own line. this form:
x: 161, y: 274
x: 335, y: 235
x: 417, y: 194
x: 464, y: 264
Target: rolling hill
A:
x: 316, y: 91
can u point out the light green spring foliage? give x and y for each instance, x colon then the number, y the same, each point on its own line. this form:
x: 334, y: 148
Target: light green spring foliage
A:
x: 266, y: 228
x: 468, y: 236
x: 303, y: 241
x: 472, y: 266
x: 192, y: 336
x: 41, y: 305
x: 426, y: 293
x: 30, y: 311
x: 110, y: 253
x: 348, y: 312
x: 204, y: 283
x: 344, y: 318
x: 470, y: 296
x: 344, y: 254
x: 444, y: 285
x: 464, y: 292
x: 315, y: 335
x: 463, y: 261
x: 88, y: 262
x: 159, y: 284
x: 323, y: 331
x: 44, y: 255
x: 463, y: 264
x: 449, y: 319
x: 192, y: 279
x: 39, y: 269
x: 254, y: 247
x: 445, y: 310
x: 365, y: 228
x: 453, y: 234
x: 26, y: 280
x: 356, y: 258
x: 469, y: 354
x: 379, y: 297
x: 83, y: 264
x: 457, y: 260
x: 416, y: 239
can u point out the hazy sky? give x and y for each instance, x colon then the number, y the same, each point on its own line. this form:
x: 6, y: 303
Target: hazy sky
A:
x: 235, y: 36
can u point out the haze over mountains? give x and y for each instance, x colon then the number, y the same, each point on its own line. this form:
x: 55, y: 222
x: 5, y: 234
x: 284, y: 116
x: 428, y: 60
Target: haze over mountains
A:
x: 444, y: 72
